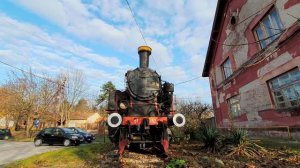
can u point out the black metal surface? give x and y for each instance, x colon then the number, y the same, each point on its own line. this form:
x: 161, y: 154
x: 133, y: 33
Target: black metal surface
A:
x: 144, y: 96
x: 144, y: 59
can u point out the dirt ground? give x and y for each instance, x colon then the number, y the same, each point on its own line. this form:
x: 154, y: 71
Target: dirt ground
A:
x: 196, y: 157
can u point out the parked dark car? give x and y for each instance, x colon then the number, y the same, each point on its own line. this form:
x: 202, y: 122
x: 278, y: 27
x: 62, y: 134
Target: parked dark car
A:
x: 87, y: 136
x: 5, y: 134
x: 57, y: 135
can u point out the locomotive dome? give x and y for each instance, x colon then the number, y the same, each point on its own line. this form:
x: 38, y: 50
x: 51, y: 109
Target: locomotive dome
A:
x: 145, y: 48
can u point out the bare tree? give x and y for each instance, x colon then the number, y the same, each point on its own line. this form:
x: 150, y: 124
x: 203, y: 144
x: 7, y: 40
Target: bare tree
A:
x: 74, y: 90
x: 26, y: 97
x: 193, y: 111
x: 25, y: 87
x: 7, y: 111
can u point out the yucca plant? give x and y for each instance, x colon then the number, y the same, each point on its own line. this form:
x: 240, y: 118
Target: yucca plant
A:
x: 236, y: 136
x: 247, y: 149
x: 237, y: 143
x: 210, y: 137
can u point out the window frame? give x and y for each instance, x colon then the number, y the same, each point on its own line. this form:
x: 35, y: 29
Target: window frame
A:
x: 50, y: 131
x: 230, y: 106
x: 227, y: 60
x: 290, y: 85
x: 275, y: 22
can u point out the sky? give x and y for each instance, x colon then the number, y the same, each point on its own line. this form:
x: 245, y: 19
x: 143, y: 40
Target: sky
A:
x: 100, y: 38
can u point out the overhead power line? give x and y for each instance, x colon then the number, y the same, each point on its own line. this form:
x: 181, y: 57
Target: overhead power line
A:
x: 272, y: 3
x: 140, y: 30
x: 250, y: 43
x: 30, y: 73
x: 138, y: 26
x: 189, y: 80
x: 38, y: 76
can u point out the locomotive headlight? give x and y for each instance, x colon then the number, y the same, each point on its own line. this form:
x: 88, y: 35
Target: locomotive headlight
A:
x: 179, y: 120
x: 123, y: 106
x: 114, y: 120
x: 155, y: 85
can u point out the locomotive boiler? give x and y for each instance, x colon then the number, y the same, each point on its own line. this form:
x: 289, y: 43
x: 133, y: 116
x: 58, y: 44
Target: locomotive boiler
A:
x: 140, y: 115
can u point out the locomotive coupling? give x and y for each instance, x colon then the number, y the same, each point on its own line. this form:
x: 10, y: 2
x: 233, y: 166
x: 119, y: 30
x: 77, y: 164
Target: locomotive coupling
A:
x: 179, y: 120
x: 114, y: 120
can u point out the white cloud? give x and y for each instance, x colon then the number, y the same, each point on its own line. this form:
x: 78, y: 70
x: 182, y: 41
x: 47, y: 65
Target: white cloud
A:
x: 51, y: 54
x: 50, y: 9
x: 168, y: 26
x: 87, y: 25
x: 197, y: 62
x: 16, y: 32
x: 174, y: 74
x: 112, y: 10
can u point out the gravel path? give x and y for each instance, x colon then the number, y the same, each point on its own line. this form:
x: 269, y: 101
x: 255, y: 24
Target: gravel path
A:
x: 138, y: 159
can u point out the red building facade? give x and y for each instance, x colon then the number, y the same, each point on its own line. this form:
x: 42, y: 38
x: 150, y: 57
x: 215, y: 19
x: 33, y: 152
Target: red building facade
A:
x: 253, y: 63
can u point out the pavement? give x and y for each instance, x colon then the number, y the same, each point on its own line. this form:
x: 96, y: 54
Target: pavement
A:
x: 11, y: 151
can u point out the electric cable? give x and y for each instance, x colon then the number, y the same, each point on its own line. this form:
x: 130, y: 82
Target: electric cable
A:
x: 140, y: 30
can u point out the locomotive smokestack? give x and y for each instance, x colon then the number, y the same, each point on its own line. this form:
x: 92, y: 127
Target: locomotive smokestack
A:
x: 144, y: 52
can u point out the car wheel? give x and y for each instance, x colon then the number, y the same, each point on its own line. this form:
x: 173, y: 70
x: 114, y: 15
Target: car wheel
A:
x: 89, y: 141
x: 38, y: 142
x: 6, y: 138
x: 77, y: 144
x: 67, y: 142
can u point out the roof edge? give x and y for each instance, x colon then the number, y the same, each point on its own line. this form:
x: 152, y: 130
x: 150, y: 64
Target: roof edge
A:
x: 221, y: 5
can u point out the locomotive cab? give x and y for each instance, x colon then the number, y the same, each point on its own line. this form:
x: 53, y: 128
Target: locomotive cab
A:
x: 143, y: 112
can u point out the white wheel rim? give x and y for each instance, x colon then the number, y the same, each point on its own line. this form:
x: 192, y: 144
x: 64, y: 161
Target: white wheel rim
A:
x: 175, y: 122
x: 67, y: 142
x: 38, y: 142
x: 114, y: 115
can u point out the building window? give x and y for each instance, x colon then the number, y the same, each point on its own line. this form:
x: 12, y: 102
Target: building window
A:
x: 227, y: 69
x: 234, y: 106
x: 269, y: 28
x: 286, y: 89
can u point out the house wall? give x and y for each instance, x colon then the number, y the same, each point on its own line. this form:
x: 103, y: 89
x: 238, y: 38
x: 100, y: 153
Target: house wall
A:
x: 6, y: 123
x: 77, y: 123
x: 250, y: 81
x: 92, y: 119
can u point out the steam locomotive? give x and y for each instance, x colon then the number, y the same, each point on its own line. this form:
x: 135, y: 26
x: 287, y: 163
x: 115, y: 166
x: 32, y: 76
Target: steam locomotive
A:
x: 140, y: 115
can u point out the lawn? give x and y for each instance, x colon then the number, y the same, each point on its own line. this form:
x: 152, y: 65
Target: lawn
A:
x: 85, y: 155
x: 281, y: 153
x: 278, y: 143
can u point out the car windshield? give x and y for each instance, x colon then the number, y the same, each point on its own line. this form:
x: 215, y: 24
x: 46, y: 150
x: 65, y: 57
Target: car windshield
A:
x: 68, y: 131
x: 2, y: 131
x: 80, y: 130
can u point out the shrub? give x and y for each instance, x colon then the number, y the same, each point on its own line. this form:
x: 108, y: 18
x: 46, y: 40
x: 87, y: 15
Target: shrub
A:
x: 237, y: 143
x: 210, y: 137
x: 247, y: 149
x: 176, y: 163
x: 235, y: 137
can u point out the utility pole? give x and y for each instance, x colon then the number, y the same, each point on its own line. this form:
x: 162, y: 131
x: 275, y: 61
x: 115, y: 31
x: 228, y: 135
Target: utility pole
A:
x: 59, y: 96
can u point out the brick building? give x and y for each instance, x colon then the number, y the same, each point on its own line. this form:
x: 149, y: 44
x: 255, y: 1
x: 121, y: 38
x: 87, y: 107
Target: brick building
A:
x: 253, y: 62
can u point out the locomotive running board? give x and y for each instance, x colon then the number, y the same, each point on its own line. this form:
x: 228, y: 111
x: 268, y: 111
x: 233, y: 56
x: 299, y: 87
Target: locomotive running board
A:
x: 139, y: 120
x: 144, y: 142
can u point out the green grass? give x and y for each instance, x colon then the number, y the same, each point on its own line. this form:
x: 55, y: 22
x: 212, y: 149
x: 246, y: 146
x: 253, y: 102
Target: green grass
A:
x: 278, y: 143
x: 86, y: 155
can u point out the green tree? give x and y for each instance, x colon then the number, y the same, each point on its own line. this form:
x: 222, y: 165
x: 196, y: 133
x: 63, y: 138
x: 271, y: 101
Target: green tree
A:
x: 82, y: 105
x: 104, y: 91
